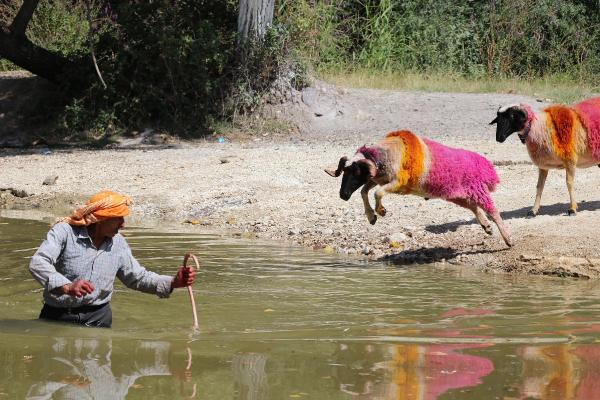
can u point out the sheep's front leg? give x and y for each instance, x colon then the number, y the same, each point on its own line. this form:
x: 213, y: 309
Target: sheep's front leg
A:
x: 364, y: 192
x: 542, y: 175
x: 570, y: 169
x: 382, y: 191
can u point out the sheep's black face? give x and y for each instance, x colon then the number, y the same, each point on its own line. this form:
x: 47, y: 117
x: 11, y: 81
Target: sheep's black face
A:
x: 509, y: 120
x: 355, y: 176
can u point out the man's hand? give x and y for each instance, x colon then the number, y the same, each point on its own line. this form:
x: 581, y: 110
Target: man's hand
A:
x: 183, y: 277
x: 76, y: 289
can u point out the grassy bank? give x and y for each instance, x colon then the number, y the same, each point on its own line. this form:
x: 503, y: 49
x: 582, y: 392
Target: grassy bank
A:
x: 556, y: 88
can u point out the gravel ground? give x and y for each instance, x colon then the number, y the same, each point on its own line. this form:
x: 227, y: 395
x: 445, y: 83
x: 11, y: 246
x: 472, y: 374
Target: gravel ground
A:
x: 274, y: 187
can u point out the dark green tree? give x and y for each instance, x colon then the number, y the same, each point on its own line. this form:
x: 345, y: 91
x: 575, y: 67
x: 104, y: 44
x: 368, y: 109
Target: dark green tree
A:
x: 17, y: 48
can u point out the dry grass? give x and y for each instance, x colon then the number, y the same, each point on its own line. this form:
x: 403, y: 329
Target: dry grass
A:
x: 554, y: 88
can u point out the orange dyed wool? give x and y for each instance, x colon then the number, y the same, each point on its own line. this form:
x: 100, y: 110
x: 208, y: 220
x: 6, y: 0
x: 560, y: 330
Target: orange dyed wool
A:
x: 412, y: 167
x: 562, y: 124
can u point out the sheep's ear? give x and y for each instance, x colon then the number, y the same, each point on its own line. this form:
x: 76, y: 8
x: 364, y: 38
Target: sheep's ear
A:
x: 494, y: 121
x: 369, y: 167
x: 339, y: 169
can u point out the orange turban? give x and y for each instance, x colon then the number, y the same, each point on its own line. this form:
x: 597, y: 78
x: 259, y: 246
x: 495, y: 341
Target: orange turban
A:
x: 103, y: 205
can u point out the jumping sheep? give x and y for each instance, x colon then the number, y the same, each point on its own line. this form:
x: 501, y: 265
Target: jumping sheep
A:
x: 558, y: 137
x: 405, y: 163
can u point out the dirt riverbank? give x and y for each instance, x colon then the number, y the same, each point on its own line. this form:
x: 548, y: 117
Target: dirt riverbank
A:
x: 274, y: 187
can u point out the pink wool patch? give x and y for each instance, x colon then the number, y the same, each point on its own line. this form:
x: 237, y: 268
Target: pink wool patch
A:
x: 530, y: 116
x: 371, y: 153
x: 589, y: 115
x: 460, y: 174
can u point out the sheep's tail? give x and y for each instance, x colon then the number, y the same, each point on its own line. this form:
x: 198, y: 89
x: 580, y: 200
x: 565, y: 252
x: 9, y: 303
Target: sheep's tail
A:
x: 488, y: 180
x: 489, y: 175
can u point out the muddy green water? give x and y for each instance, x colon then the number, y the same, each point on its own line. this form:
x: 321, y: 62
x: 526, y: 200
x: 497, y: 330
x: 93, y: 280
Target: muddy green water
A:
x: 284, y: 323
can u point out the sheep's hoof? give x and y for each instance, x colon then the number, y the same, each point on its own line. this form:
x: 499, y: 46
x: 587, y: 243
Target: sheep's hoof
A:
x: 531, y: 213
x: 372, y: 219
x: 381, y: 211
x: 508, y: 242
x: 487, y: 229
x: 572, y: 212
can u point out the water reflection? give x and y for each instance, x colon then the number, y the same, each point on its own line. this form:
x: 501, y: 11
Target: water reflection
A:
x: 280, y: 323
x: 88, y: 369
x: 250, y: 376
x: 408, y: 371
x: 564, y: 372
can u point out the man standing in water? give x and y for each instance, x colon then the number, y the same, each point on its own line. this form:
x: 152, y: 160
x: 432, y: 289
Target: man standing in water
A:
x: 80, y: 258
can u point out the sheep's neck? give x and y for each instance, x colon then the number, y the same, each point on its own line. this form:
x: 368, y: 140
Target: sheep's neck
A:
x: 374, y: 154
x: 530, y: 119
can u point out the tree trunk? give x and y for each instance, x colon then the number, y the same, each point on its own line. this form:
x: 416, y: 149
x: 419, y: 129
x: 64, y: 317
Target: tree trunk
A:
x: 20, y: 51
x: 491, y: 46
x: 19, y: 24
x: 15, y: 47
x: 254, y: 17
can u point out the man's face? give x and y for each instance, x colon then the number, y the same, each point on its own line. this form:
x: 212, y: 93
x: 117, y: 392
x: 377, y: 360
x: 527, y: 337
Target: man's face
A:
x: 110, y: 227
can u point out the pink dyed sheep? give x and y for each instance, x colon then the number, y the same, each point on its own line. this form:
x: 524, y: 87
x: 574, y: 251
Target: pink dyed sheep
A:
x: 404, y: 163
x: 560, y: 137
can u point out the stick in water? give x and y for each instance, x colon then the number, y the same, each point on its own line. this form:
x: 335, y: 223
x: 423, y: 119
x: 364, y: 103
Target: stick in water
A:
x: 191, y: 293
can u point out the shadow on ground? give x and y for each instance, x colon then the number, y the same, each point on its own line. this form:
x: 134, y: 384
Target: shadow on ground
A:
x: 431, y: 255
x: 552, y: 210
x: 28, y: 105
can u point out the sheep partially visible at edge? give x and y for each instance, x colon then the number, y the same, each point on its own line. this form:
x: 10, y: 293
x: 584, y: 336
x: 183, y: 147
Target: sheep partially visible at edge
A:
x: 404, y: 163
x: 559, y: 137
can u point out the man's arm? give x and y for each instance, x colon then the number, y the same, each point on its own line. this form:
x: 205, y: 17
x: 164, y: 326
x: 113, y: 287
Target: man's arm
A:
x: 134, y: 276
x: 42, y: 264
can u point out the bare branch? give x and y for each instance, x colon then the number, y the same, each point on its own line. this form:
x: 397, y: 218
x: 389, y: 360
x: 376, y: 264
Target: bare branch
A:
x: 88, y: 7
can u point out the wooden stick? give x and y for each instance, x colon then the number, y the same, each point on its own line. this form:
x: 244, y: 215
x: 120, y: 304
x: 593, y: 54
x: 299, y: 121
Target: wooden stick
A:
x: 190, y: 292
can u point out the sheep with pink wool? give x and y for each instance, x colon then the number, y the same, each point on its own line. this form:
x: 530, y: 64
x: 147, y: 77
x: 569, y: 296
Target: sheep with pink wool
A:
x: 405, y: 163
x: 558, y: 137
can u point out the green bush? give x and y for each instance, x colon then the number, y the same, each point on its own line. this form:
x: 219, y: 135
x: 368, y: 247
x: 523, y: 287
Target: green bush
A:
x: 173, y: 65
x: 59, y: 26
x: 164, y: 63
x: 544, y: 37
x: 519, y: 38
x: 177, y: 66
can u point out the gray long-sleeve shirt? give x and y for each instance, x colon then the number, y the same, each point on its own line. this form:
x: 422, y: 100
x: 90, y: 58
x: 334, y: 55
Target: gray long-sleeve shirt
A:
x: 68, y: 254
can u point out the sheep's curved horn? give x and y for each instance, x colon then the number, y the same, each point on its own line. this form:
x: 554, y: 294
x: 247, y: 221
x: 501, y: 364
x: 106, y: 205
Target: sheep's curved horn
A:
x: 339, y: 169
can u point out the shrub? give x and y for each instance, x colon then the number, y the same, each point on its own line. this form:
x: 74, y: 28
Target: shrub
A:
x: 176, y: 66
x: 520, y: 38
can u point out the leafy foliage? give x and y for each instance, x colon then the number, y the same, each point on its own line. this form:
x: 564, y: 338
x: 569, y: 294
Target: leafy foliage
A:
x: 518, y: 38
x: 173, y: 65
x: 59, y: 26
x: 164, y: 63
x: 177, y: 65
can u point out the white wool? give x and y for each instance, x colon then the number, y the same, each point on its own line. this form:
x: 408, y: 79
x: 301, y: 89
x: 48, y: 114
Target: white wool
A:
x: 505, y: 108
